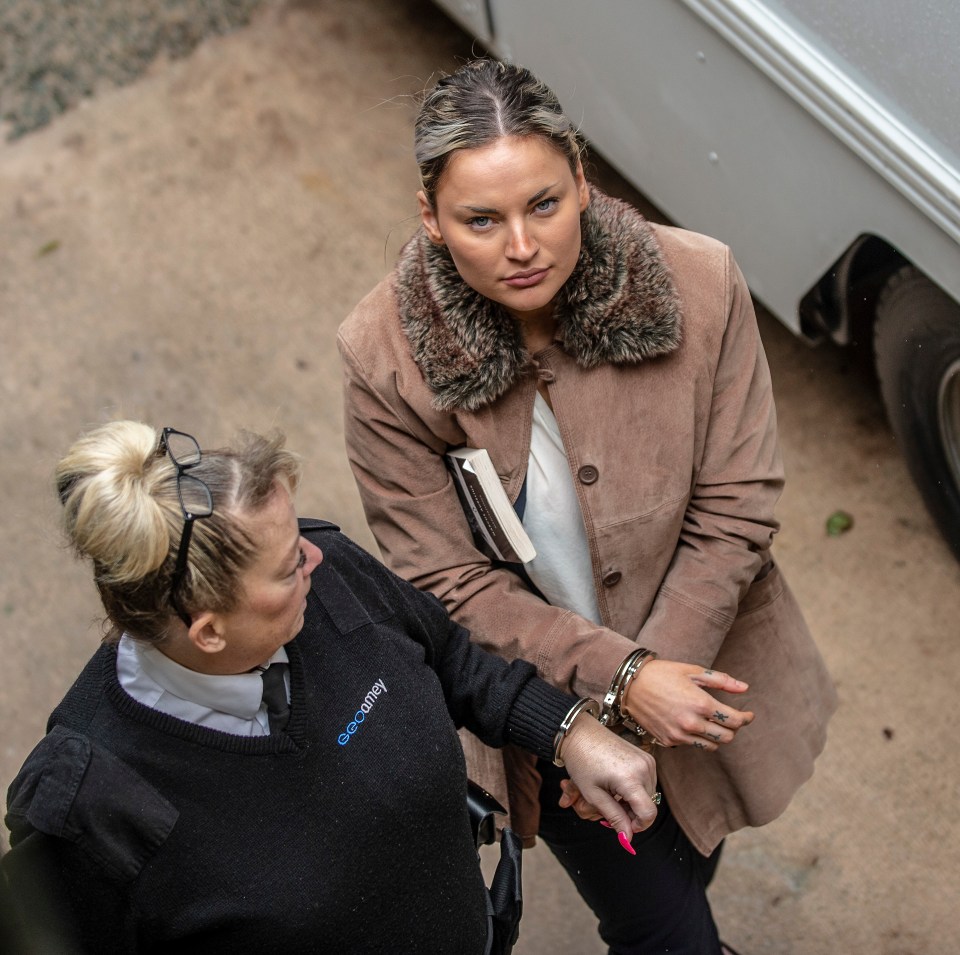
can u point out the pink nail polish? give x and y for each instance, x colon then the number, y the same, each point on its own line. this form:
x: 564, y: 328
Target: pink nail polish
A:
x: 625, y: 842
x: 603, y: 822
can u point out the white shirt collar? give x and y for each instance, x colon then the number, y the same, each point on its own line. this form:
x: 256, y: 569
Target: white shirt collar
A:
x: 239, y: 695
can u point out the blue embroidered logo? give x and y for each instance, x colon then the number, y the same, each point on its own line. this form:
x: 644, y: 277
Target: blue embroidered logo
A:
x: 361, y: 714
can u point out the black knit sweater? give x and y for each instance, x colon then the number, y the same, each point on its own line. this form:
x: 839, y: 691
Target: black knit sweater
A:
x: 132, y: 831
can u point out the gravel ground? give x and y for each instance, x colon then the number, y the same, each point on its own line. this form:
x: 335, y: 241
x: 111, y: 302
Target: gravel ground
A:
x: 55, y: 52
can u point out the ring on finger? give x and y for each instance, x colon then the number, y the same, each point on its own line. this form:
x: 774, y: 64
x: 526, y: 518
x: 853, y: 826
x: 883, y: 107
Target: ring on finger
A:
x: 656, y: 797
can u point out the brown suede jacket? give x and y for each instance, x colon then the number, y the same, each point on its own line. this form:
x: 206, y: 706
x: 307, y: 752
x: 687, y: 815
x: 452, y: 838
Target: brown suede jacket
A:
x: 659, y: 384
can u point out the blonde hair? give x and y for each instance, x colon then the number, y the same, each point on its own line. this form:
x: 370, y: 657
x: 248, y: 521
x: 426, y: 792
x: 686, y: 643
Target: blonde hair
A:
x: 121, y: 511
x: 481, y: 102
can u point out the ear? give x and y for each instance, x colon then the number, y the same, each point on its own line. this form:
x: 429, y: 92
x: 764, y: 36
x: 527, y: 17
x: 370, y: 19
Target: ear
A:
x: 429, y: 219
x: 583, y: 190
x: 207, y: 633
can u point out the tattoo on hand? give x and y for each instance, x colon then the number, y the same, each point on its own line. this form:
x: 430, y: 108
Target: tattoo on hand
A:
x: 714, y: 736
x: 720, y: 717
x: 699, y: 745
x: 708, y: 672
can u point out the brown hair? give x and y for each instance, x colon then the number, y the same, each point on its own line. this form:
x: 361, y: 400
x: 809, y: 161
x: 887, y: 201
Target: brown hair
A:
x: 483, y: 101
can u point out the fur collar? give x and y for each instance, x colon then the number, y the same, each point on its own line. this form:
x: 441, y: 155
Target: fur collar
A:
x: 619, y: 306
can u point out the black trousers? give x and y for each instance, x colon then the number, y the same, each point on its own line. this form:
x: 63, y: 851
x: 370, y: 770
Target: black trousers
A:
x: 649, y: 903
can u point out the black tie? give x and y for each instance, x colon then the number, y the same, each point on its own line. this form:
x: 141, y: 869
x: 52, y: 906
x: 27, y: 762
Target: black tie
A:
x: 275, y: 696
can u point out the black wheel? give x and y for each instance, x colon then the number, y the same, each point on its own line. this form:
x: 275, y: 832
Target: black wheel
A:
x: 917, y: 339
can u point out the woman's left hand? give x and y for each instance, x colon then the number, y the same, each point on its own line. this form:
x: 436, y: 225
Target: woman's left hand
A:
x: 614, y: 780
x: 674, y: 703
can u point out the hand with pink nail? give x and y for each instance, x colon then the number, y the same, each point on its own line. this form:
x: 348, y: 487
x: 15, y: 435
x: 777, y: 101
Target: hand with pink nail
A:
x: 573, y: 799
x: 611, y: 780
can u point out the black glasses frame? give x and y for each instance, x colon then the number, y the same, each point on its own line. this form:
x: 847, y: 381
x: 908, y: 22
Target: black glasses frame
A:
x: 184, y: 451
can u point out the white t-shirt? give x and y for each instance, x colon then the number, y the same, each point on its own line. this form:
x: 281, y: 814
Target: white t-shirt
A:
x: 562, y: 569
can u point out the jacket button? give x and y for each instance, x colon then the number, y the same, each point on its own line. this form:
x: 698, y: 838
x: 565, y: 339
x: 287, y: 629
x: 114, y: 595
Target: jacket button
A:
x: 588, y: 474
x: 612, y: 579
x: 545, y: 374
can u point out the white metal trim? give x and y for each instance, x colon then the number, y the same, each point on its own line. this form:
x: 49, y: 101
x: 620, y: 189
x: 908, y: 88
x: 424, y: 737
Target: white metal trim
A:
x: 892, y: 149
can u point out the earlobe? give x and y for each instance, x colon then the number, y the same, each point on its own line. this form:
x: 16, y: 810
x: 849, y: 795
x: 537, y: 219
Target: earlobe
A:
x: 429, y: 219
x: 206, y: 633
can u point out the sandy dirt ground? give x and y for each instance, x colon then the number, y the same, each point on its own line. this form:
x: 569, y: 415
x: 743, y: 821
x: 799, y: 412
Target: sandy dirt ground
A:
x: 182, y: 250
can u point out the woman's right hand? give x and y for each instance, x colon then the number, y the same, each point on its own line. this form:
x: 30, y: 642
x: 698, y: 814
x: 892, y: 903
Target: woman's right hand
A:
x: 611, y: 779
x: 670, y: 701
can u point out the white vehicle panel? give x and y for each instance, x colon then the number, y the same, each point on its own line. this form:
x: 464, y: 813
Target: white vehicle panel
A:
x: 706, y: 133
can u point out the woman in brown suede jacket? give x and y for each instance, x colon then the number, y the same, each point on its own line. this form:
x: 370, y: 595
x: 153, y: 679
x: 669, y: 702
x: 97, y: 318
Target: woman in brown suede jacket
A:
x: 613, y: 370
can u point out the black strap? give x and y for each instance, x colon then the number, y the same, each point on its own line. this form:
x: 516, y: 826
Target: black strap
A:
x: 506, y: 889
x: 506, y: 894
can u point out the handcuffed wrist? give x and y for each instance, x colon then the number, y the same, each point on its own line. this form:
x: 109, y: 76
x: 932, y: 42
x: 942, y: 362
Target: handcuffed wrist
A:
x: 613, y: 712
x: 586, y: 705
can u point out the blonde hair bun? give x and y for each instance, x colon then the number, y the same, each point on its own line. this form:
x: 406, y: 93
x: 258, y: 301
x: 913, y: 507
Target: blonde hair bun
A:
x: 121, y: 509
x: 106, y: 482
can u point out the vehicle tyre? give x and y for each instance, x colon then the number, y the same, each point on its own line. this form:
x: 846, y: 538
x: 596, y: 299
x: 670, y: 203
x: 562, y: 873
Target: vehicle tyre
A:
x: 917, y: 344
